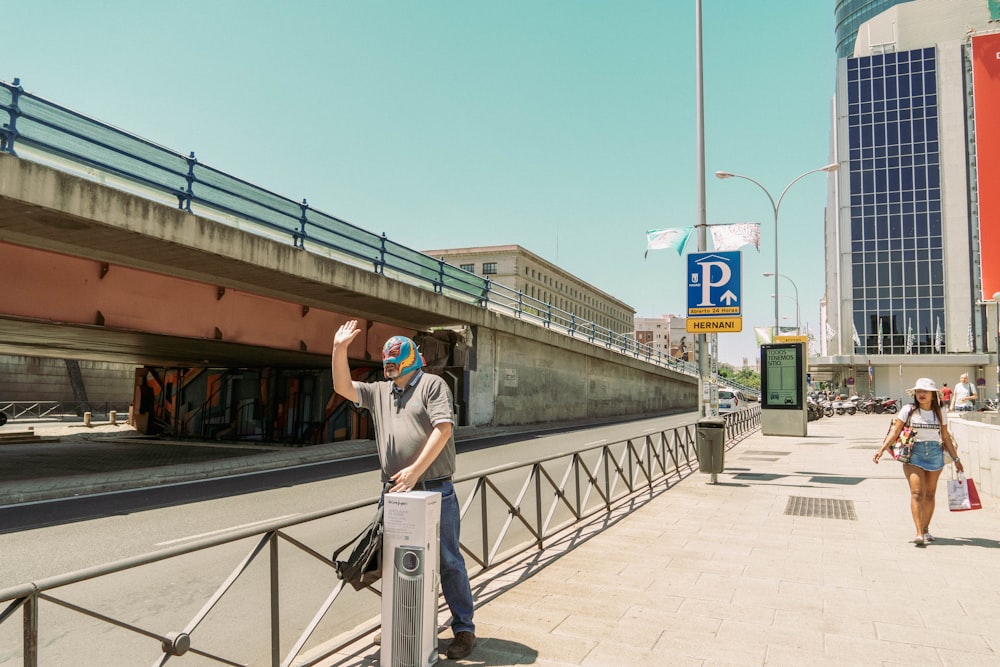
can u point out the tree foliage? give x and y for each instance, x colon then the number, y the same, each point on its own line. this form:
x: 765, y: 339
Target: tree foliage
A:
x: 744, y: 376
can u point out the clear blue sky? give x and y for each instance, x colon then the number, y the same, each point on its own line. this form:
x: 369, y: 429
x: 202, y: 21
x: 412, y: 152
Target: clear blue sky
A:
x: 566, y: 127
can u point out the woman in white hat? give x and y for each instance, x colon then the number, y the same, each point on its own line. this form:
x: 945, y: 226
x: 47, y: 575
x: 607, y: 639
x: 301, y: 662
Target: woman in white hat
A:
x: 926, y: 462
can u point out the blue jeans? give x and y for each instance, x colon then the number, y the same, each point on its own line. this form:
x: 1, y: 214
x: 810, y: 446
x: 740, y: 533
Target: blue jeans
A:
x: 454, y: 577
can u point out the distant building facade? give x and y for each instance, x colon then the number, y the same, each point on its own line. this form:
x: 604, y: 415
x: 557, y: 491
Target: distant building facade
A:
x: 667, y: 335
x: 521, y: 270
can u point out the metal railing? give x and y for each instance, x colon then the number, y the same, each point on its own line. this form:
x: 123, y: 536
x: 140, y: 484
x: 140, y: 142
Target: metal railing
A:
x: 507, y: 511
x: 44, y: 131
x: 71, y: 410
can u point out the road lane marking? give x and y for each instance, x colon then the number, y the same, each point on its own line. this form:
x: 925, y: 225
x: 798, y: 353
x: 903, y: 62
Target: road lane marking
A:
x: 595, y: 442
x: 223, y: 530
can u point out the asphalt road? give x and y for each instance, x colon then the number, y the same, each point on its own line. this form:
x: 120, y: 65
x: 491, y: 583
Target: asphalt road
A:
x: 80, y: 532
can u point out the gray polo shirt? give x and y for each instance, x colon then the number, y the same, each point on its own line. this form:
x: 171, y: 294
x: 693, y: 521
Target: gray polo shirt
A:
x: 404, y: 422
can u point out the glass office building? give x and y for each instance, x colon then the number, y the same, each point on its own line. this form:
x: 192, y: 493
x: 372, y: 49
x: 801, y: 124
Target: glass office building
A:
x: 850, y: 14
x: 895, y: 203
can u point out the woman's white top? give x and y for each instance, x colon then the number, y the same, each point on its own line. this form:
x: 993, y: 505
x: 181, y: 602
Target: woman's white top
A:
x: 924, y: 422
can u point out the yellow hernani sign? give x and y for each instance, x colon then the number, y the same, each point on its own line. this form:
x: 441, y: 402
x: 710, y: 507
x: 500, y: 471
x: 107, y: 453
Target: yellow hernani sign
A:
x: 714, y: 324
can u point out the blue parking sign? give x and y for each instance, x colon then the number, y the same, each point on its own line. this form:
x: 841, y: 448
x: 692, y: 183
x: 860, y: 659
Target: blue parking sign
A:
x: 715, y: 302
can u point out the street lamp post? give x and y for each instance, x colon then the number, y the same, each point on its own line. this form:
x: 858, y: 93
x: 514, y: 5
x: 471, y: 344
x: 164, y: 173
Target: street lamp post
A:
x: 798, y: 312
x: 776, y: 204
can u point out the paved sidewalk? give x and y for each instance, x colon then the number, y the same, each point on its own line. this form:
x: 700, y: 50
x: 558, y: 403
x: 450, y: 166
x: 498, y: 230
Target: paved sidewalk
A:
x: 727, y: 574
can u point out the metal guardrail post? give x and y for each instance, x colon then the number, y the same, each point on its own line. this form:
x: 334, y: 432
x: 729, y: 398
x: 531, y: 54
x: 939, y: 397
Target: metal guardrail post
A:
x: 299, y: 238
x: 487, y: 289
x: 9, y: 131
x: 31, y: 630
x: 380, y: 260
x: 184, y: 202
x: 275, y: 605
x: 439, y: 283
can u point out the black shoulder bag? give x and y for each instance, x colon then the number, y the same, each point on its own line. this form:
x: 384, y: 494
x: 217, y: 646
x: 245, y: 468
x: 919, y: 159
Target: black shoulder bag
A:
x: 364, y: 566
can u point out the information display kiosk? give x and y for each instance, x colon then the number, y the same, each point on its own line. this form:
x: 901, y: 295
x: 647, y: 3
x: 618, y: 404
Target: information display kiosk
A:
x: 783, y: 389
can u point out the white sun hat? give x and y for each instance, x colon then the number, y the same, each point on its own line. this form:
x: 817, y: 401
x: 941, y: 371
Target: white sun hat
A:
x: 925, y: 384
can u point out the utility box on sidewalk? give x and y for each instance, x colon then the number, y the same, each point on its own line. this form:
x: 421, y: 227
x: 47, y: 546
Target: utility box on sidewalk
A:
x: 410, y: 578
x: 710, y: 444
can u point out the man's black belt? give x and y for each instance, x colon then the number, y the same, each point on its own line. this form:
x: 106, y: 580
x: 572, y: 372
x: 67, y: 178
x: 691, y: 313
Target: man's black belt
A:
x: 432, y: 484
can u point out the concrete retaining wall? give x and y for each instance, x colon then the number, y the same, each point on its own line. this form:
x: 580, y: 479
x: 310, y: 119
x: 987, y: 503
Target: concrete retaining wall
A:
x: 42, y: 379
x: 516, y: 379
x: 977, y: 436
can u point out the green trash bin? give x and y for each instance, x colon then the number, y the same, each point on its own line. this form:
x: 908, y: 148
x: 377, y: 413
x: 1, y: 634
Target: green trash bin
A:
x: 710, y: 444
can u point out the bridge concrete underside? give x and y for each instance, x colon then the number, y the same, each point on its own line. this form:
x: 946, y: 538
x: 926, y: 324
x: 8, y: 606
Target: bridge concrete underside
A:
x: 47, y: 209
x: 518, y: 372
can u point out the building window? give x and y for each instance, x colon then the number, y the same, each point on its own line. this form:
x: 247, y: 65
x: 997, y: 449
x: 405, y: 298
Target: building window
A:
x: 471, y: 268
x: 489, y: 268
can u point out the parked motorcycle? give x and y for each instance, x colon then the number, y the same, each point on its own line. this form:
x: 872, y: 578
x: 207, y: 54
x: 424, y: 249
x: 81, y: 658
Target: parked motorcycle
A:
x: 872, y: 404
x: 848, y: 406
x: 890, y: 405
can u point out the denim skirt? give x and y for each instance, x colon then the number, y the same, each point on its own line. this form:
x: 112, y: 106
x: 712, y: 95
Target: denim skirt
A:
x: 927, y: 454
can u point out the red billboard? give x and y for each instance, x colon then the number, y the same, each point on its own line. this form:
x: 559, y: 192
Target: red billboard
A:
x: 986, y: 86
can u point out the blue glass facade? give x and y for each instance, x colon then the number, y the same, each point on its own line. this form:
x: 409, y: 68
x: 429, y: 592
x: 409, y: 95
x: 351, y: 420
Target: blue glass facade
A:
x: 895, y: 203
x: 850, y: 14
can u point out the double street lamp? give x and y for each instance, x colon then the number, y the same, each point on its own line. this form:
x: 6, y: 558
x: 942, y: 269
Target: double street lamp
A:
x: 776, y: 204
x: 798, y: 312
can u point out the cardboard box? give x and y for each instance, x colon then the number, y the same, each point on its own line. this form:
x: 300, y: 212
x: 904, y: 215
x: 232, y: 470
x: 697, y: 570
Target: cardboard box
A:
x: 411, y: 573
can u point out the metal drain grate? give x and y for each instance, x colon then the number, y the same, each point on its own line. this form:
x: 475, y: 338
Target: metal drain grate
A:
x: 822, y: 508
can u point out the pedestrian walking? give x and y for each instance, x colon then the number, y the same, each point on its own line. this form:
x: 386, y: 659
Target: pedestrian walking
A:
x: 930, y: 423
x: 964, y: 397
x: 412, y: 411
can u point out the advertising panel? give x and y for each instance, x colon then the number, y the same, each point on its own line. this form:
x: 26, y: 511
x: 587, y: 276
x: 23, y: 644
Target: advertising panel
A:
x: 781, y: 376
x: 986, y: 85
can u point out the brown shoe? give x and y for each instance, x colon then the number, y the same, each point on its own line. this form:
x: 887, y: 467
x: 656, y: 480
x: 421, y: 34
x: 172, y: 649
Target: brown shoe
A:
x: 461, y: 646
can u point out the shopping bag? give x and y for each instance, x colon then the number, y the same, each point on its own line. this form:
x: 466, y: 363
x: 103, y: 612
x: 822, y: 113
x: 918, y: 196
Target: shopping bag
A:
x: 963, y: 495
x: 974, y: 502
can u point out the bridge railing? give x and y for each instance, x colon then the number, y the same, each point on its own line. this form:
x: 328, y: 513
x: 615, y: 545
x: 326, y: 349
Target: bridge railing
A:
x: 50, y: 132
x: 259, y: 594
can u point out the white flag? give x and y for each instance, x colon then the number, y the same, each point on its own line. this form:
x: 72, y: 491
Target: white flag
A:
x: 938, y: 335
x: 909, y: 336
x: 972, y: 338
x: 675, y: 238
x: 880, y: 349
x: 830, y: 332
x: 854, y: 335
x: 735, y: 236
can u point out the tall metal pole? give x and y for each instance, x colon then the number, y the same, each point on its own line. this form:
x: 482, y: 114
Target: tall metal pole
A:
x: 798, y: 312
x: 700, y: 340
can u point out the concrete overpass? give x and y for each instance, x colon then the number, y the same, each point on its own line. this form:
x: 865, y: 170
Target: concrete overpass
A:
x: 97, y: 272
